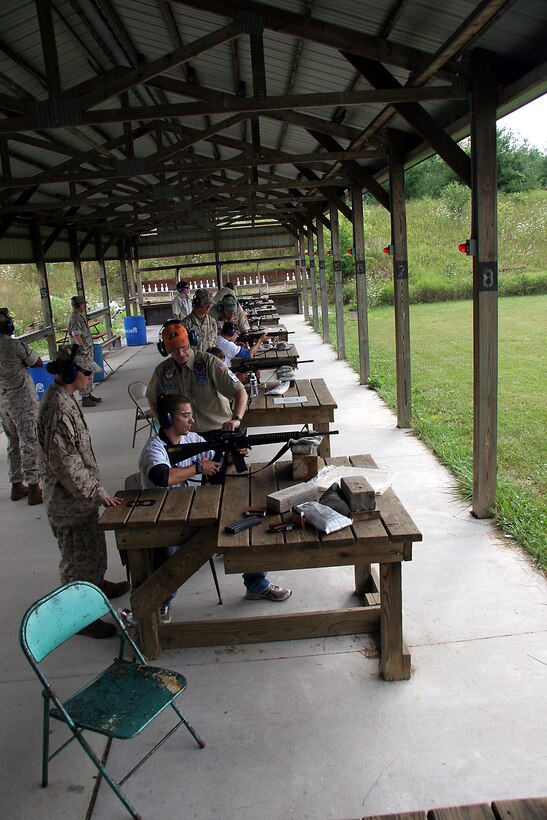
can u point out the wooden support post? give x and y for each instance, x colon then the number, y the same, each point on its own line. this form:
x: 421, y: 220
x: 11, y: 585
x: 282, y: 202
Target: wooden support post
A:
x: 400, y: 275
x: 123, y: 268
x: 314, y: 306
x: 138, y: 279
x: 38, y: 252
x: 323, y: 281
x: 485, y: 283
x: 338, y: 288
x: 76, y: 261
x: 131, y: 279
x: 303, y: 275
x: 104, y: 283
x: 360, y: 281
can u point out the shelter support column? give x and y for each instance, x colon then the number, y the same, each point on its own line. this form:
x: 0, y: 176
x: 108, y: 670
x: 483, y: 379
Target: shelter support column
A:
x: 360, y: 281
x: 123, y: 268
x: 39, y: 258
x: 485, y: 283
x: 338, y: 288
x: 400, y: 276
x: 99, y: 250
x: 76, y: 261
x: 138, y: 278
x: 303, y: 275
x: 323, y: 281
x: 313, y: 280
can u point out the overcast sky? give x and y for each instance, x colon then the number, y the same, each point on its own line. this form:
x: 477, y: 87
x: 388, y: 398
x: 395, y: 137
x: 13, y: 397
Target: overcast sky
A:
x: 529, y: 122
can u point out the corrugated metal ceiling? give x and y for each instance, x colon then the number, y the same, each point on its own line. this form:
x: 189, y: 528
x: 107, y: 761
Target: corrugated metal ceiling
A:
x: 81, y: 172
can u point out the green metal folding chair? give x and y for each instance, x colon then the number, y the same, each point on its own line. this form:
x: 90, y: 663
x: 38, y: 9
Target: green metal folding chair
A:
x: 119, y: 702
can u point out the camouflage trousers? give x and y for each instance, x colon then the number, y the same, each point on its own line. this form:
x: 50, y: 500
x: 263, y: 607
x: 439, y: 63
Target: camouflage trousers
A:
x: 83, y: 548
x: 20, y: 427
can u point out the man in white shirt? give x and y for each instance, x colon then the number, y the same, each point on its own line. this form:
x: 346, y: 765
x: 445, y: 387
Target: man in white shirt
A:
x: 182, y: 304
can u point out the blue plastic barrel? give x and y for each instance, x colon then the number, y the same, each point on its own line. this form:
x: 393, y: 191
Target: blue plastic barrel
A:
x: 135, y: 330
x: 41, y: 378
x: 98, y: 359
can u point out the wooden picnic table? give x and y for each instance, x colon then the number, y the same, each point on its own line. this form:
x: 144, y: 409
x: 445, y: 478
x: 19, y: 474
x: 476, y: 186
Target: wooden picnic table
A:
x: 276, y: 332
x: 195, y: 519
x: 270, y: 359
x: 271, y: 318
x: 317, y: 411
x: 91, y: 325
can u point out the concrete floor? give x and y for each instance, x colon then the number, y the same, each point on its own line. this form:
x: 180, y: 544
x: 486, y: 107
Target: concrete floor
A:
x: 303, y: 729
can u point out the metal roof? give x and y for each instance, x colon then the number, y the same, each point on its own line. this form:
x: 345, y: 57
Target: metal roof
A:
x: 166, y: 121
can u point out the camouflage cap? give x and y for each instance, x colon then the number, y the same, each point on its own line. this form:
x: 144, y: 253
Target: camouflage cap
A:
x: 203, y: 297
x: 229, y: 302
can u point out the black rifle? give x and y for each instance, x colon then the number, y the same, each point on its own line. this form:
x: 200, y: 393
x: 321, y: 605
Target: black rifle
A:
x: 246, y: 365
x: 252, y: 335
x: 223, y: 443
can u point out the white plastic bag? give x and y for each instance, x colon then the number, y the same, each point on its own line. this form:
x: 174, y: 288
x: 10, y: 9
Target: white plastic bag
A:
x: 379, y: 479
x: 324, y: 518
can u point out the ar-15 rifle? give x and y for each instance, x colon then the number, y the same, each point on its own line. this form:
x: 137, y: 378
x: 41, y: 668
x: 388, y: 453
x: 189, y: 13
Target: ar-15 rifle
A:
x: 247, y: 365
x: 232, y: 442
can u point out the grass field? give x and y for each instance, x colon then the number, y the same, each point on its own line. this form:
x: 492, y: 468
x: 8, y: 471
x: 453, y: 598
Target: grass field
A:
x: 442, y: 399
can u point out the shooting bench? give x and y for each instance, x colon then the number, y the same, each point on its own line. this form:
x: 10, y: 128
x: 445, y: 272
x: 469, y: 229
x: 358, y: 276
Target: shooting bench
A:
x: 195, y: 519
x: 317, y: 411
x: 267, y: 360
x: 531, y: 808
x: 108, y: 345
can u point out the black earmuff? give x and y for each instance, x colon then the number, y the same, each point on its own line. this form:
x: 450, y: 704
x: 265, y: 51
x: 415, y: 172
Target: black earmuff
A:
x: 164, y: 416
x: 228, y: 329
x: 161, y: 346
x: 7, y: 321
x: 196, y: 301
x: 69, y: 371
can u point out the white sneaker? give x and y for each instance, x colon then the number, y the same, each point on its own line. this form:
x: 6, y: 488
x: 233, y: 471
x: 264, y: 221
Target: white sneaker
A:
x: 165, y: 614
x: 271, y: 593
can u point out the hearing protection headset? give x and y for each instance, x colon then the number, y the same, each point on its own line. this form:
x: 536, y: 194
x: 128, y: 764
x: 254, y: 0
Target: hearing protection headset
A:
x: 67, y: 370
x: 229, y: 328
x: 164, y: 416
x: 168, y: 328
x: 196, y: 301
x: 6, y: 322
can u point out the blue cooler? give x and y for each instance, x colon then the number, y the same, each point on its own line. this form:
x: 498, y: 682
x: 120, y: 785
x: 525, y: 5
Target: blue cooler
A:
x: 135, y: 330
x: 41, y: 378
x: 98, y: 359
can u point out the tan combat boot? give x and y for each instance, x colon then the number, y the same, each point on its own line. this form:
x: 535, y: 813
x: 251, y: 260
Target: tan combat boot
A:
x: 87, y: 402
x: 34, y: 494
x: 18, y: 491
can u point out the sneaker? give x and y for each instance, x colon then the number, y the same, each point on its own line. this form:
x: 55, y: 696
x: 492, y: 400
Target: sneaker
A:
x: 112, y: 590
x: 95, y: 399
x: 271, y: 593
x: 98, y: 629
x: 165, y: 614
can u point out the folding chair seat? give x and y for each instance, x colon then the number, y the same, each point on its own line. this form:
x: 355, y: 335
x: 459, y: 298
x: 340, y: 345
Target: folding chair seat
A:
x: 119, y: 702
x: 144, y: 417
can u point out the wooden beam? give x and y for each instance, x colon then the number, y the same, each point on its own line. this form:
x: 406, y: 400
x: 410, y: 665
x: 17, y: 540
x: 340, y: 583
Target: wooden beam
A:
x: 338, y: 286
x: 49, y: 47
x: 400, y: 278
x: 40, y: 262
x: 360, y: 281
x: 485, y: 284
x: 378, y: 76
x: 313, y: 280
x: 323, y: 282
x: 327, y: 34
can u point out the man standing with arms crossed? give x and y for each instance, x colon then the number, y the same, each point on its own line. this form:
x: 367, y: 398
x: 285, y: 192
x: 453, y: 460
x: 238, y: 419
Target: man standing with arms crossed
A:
x: 80, y: 334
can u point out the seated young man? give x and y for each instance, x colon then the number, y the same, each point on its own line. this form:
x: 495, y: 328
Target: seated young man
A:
x: 226, y: 341
x: 176, y: 419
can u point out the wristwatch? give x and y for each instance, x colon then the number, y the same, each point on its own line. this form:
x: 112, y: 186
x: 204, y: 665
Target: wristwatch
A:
x: 236, y: 418
x: 199, y: 468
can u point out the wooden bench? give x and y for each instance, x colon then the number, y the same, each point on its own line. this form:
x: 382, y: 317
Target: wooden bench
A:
x: 108, y: 345
x: 529, y: 808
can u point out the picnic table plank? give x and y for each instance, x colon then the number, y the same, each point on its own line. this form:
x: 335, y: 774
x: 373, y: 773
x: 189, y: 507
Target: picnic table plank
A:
x: 205, y: 505
x: 115, y: 517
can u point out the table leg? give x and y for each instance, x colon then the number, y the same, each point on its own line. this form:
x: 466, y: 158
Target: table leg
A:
x: 395, y: 659
x: 363, y: 579
x: 324, y: 448
x: 140, y: 567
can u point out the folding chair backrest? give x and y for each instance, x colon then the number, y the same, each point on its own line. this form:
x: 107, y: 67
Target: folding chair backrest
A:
x: 55, y: 618
x: 137, y: 390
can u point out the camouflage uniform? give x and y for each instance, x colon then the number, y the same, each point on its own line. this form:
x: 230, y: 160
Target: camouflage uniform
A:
x: 206, y: 329
x: 19, y: 409
x: 240, y: 319
x: 205, y: 381
x: 71, y: 489
x: 77, y: 326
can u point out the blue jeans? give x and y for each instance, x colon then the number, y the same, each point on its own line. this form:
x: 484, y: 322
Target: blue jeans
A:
x: 256, y: 581
x: 160, y: 556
